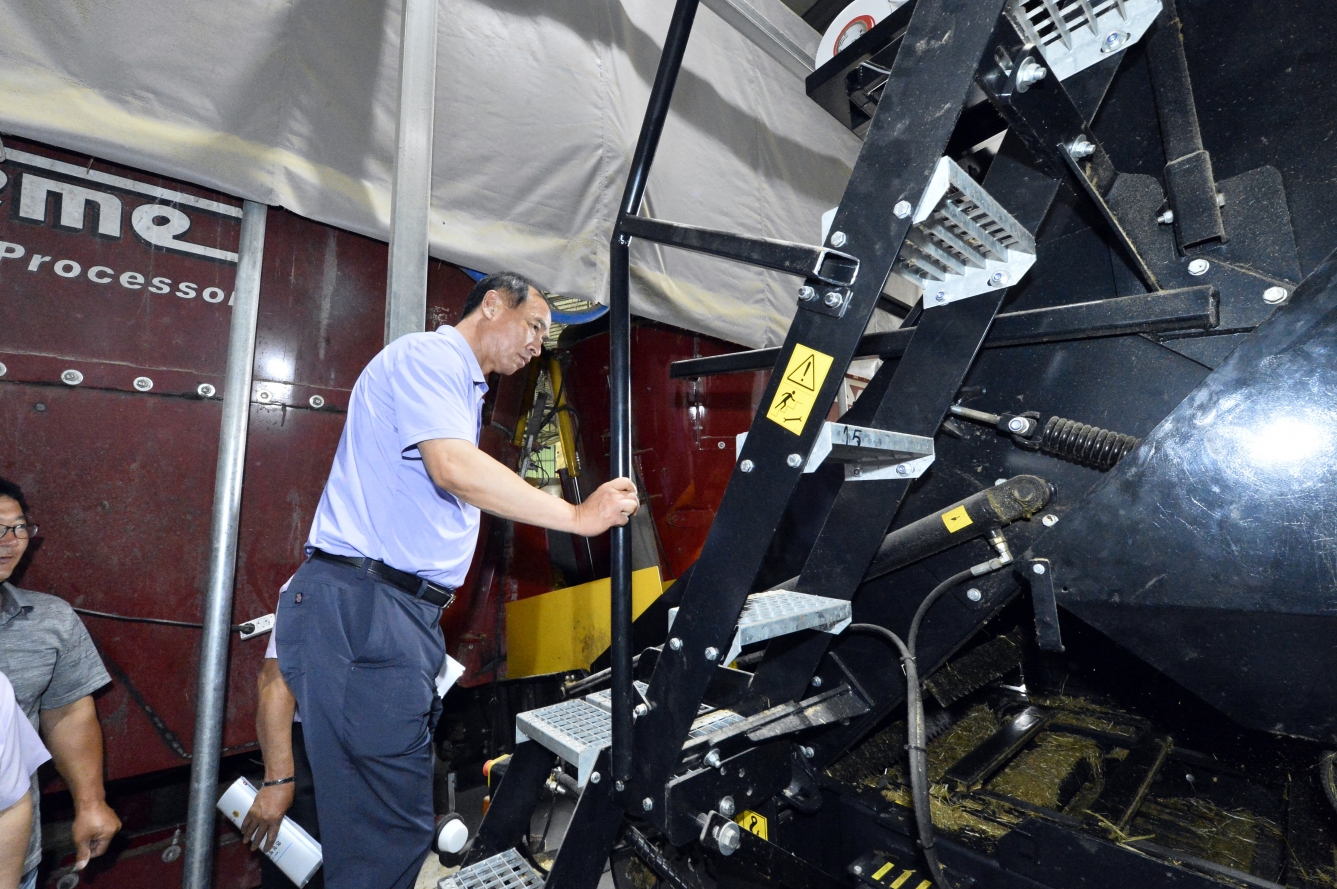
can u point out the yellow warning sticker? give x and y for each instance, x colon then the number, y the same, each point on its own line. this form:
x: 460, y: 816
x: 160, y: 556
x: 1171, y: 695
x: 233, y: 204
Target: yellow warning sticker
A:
x: 882, y: 871
x: 753, y: 822
x: 797, y: 395
x: 956, y: 519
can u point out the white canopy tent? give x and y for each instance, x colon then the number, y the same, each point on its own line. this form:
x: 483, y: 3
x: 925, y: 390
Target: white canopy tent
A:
x: 293, y: 103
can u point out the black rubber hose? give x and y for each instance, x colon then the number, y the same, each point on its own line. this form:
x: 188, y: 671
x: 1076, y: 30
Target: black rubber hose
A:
x: 914, y: 704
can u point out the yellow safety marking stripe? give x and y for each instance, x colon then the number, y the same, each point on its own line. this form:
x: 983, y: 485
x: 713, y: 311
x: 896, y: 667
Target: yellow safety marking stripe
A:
x: 796, y: 395
x: 882, y: 871
x: 901, y: 879
x: 956, y: 519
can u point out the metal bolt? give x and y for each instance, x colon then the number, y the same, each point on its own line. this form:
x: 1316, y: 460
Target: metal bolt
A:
x: 720, y: 445
x: 725, y: 806
x: 999, y: 481
x: 1038, y: 569
x: 1272, y: 296
x: 838, y: 239
x: 974, y: 594
x: 902, y: 470
x: 902, y: 209
x: 619, y: 786
x: 808, y: 753
x: 713, y: 758
x: 806, y: 293
x: 729, y: 837
x: 940, y: 296
x: 71, y: 378
x: 794, y: 461
x: 1081, y: 148
x: 205, y: 390
x: 1220, y: 199
x: 816, y: 682
x: 833, y: 299
x: 999, y: 279
x: 1017, y: 424
x: 316, y: 402
x: 595, y: 777
x: 712, y: 653
x: 142, y: 384
x: 1166, y: 218
x: 675, y: 643
x: 1030, y: 73
x: 1114, y: 41
x: 647, y: 804
x: 639, y: 711
x: 746, y: 465
x: 1198, y: 267
x: 3, y: 370
x: 263, y: 396
x: 857, y: 869
x: 1049, y: 521
x: 858, y: 471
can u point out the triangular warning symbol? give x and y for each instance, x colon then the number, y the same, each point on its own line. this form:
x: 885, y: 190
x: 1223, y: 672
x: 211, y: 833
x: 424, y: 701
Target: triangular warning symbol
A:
x: 805, y: 375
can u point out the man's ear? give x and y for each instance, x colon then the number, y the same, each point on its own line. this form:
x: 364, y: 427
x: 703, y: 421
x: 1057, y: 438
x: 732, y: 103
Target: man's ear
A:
x: 491, y: 305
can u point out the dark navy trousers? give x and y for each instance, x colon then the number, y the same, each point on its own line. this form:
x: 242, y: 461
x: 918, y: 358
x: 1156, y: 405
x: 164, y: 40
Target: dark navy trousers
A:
x: 361, y: 657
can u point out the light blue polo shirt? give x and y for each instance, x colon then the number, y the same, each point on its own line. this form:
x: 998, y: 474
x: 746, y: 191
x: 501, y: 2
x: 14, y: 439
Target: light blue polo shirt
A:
x: 379, y: 501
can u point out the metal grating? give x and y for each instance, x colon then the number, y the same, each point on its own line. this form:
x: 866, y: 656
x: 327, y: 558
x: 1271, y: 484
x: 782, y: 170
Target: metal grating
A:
x: 575, y: 730
x: 604, y: 699
x: 1075, y: 34
x: 505, y: 870
x: 962, y: 242
x: 713, y: 722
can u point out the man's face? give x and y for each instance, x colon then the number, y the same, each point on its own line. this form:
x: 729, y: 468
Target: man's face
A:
x: 11, y: 548
x: 516, y: 334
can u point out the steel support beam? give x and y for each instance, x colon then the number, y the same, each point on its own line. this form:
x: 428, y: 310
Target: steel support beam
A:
x: 411, y: 197
x: 212, y: 686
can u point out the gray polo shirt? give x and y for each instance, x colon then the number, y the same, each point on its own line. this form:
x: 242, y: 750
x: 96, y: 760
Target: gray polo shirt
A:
x: 51, y: 661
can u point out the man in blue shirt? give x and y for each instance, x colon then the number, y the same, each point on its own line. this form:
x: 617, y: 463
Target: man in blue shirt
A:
x: 358, y: 634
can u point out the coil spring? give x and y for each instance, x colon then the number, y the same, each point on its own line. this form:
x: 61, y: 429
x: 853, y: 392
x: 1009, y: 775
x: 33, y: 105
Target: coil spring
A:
x: 1087, y: 445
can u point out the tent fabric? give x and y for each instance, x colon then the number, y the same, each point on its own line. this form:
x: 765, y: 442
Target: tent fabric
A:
x: 293, y: 102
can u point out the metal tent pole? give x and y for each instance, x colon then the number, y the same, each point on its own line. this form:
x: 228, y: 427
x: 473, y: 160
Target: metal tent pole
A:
x: 410, y: 200
x: 619, y: 377
x: 212, y: 686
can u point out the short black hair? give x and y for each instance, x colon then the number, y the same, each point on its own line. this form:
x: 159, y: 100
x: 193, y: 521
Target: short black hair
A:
x: 12, y: 490
x: 512, y: 283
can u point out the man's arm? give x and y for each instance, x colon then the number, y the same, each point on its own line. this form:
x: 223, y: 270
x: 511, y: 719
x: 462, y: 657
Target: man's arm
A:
x: 273, y: 729
x: 15, y: 828
x: 74, y: 739
x: 474, y: 477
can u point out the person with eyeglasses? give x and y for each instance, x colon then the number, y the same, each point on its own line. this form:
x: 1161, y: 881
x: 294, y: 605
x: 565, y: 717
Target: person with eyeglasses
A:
x: 54, y: 668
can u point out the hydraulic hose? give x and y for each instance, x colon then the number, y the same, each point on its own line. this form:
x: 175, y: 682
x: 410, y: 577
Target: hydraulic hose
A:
x: 914, y: 704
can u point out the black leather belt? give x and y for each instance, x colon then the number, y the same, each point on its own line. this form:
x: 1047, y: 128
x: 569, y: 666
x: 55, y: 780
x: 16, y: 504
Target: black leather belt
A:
x: 415, y: 586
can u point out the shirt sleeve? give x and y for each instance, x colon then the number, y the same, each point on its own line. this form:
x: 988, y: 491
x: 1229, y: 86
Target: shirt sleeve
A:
x: 21, y: 750
x: 432, y: 388
x: 79, y: 670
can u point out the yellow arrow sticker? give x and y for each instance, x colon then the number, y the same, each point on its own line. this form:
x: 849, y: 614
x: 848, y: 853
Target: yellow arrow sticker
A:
x: 797, y: 394
x: 754, y: 822
x: 956, y: 519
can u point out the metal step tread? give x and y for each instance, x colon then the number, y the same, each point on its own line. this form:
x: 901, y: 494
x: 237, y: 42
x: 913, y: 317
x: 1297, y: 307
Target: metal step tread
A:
x: 604, y: 699
x: 780, y: 612
x: 505, y: 870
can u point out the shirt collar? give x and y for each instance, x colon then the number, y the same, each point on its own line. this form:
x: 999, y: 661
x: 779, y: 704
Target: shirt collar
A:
x: 14, y: 601
x: 463, y: 345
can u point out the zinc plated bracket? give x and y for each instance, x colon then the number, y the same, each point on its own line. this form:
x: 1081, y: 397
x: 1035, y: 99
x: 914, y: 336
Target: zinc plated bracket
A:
x: 1040, y: 574
x: 867, y: 454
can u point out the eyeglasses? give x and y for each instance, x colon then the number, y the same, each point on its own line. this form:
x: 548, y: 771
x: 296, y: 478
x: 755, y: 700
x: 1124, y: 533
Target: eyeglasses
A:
x: 22, y: 531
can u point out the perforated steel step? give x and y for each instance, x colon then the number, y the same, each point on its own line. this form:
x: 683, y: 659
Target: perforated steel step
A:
x: 575, y: 730
x: 505, y: 870
x: 604, y: 699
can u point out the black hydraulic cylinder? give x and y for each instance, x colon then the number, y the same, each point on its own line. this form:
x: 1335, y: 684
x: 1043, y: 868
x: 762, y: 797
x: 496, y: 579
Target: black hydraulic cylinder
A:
x: 619, y: 378
x: 1020, y: 497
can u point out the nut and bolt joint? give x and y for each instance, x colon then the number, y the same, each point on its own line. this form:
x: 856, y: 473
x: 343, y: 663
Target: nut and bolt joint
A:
x: 807, y: 293
x: 1017, y: 424
x: 1275, y: 295
x: 595, y: 777
x: 1029, y: 73
x: 675, y: 643
x: 639, y: 711
x: 974, y: 595
x: 619, y: 786
x: 1166, y: 218
x: 1081, y: 148
x: 205, y: 390
x: 726, y: 806
x: 316, y: 401
x: 816, y: 682
x: 647, y: 804
x: 902, y: 209
x: 1037, y: 569
x: 808, y: 753
x: 902, y: 470
x: 1049, y: 520
x: 713, y: 758
x: 940, y: 296
x: 71, y: 377
x: 746, y: 465
x: 999, y: 279
x: 794, y: 461
x: 833, y: 299
x: 143, y: 384
x: 838, y: 239
x: 712, y: 653
x: 1198, y: 267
